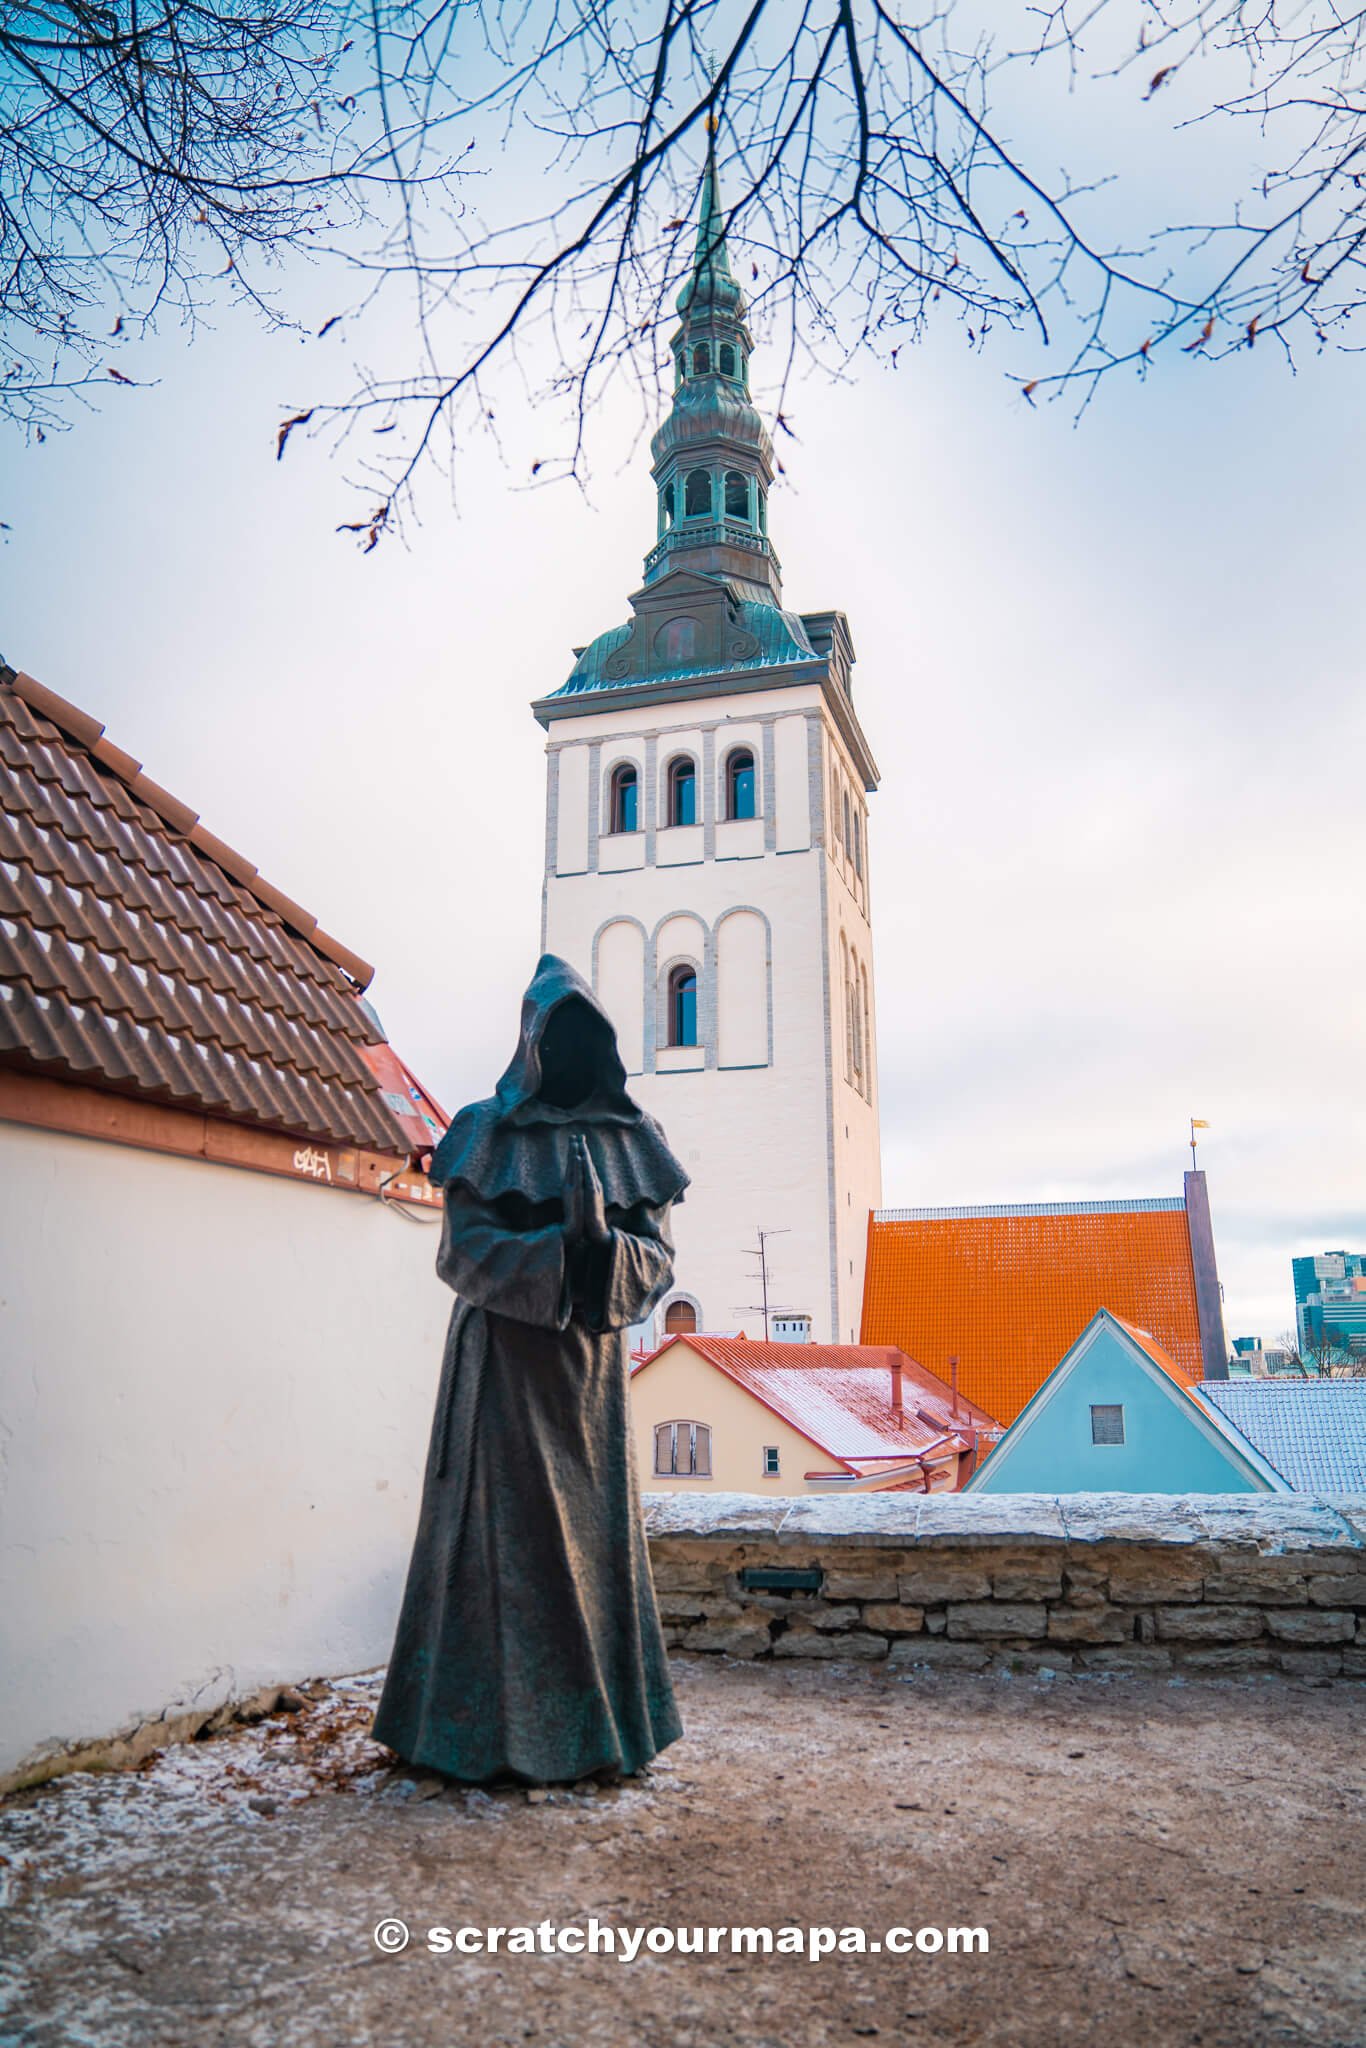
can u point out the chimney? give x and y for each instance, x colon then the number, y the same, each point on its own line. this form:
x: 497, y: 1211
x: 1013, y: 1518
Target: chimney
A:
x: 896, y: 1384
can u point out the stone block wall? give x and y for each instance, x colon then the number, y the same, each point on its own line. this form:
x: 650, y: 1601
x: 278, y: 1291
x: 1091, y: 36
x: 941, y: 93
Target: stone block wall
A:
x: 1194, y: 1584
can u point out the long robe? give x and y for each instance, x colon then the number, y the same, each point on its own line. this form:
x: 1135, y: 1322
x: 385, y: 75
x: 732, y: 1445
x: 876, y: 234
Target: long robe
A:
x: 529, y: 1641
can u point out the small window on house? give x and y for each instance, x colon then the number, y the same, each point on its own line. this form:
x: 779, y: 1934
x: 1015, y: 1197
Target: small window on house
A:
x: 1107, y: 1423
x: 701, y: 359
x: 683, y: 791
x: 771, y: 1461
x: 737, y: 495
x: 727, y: 360
x: 683, y: 1450
x: 697, y: 495
x: 625, y: 799
x: 680, y: 1319
x: 682, y: 1006
x: 740, y: 784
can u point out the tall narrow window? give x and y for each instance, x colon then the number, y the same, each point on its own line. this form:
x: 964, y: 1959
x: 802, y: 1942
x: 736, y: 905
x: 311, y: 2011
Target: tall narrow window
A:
x: 683, y: 1006
x: 697, y: 495
x: 701, y: 360
x: 740, y: 784
x: 848, y: 828
x: 625, y: 799
x: 858, y: 846
x: 727, y: 360
x: 681, y: 365
x: 834, y: 807
x: 667, y: 506
x: 680, y: 1319
x: 683, y: 791
x: 737, y: 495
x: 763, y: 510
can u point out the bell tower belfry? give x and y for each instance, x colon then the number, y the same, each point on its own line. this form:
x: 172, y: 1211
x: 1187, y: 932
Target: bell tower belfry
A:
x: 707, y: 862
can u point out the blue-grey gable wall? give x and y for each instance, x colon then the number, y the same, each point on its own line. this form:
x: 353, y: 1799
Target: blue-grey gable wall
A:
x: 1049, y: 1449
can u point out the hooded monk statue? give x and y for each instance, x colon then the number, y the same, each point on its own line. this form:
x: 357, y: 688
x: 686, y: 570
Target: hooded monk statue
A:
x: 529, y: 1642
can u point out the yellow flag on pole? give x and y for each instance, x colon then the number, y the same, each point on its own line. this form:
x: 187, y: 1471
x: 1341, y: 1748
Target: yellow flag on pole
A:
x: 1198, y: 1124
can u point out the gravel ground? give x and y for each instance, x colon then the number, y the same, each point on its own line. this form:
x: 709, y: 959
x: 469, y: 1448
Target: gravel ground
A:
x: 1155, y: 1864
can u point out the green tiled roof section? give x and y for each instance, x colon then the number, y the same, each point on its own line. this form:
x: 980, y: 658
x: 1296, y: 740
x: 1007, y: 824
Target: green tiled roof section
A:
x: 781, y: 636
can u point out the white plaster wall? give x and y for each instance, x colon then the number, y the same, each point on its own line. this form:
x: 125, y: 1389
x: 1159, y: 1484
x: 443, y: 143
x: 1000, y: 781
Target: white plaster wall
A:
x: 216, y: 1389
x: 742, y: 990
x: 572, y: 832
x: 790, y: 784
x: 621, y: 968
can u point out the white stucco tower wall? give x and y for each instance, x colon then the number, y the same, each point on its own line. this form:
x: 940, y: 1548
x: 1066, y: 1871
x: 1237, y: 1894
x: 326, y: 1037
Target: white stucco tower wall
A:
x: 774, y: 1111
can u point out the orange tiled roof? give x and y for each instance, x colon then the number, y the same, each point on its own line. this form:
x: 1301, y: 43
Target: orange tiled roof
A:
x: 1008, y: 1289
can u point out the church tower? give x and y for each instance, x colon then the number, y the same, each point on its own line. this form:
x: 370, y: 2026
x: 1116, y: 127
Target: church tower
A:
x: 707, y: 861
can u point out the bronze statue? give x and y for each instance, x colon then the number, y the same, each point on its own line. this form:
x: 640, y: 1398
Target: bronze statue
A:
x: 529, y: 1642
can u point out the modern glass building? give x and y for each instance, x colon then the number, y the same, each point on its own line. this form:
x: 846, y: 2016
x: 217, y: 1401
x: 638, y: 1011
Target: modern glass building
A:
x: 1330, y: 1300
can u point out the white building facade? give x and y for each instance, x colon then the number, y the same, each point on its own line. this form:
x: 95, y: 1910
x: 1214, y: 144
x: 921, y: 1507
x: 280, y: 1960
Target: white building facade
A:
x: 707, y: 861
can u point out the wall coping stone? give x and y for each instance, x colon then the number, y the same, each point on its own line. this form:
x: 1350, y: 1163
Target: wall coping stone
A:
x: 1265, y: 1524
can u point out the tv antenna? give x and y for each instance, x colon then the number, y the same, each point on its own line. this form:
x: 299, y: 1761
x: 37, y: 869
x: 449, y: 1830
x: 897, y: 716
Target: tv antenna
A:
x: 760, y: 1252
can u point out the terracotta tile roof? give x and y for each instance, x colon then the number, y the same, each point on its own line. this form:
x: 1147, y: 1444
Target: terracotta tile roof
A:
x: 140, y: 954
x: 839, y: 1396
x: 1008, y: 1290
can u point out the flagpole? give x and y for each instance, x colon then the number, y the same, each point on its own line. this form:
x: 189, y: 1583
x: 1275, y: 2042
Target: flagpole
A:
x: 1193, y: 1165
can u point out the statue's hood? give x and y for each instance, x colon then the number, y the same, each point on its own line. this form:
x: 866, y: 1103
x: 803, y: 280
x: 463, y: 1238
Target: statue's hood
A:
x: 556, y: 982
x: 513, y: 1143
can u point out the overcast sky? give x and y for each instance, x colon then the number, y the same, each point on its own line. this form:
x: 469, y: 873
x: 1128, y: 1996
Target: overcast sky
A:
x: 1111, y: 672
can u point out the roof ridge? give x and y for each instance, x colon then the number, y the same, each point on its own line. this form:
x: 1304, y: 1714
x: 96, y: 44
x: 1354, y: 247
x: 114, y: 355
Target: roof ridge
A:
x: 89, y: 733
x: 1136, y: 1205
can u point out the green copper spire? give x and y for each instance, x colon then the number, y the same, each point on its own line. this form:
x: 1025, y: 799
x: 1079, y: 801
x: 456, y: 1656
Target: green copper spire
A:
x: 711, y: 289
x: 713, y: 459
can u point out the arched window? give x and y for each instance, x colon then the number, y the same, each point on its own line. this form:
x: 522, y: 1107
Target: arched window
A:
x: 763, y: 510
x: 848, y: 828
x: 701, y: 360
x: 683, y: 1006
x: 680, y: 1319
x: 697, y: 495
x: 858, y: 846
x: 834, y: 807
x: 681, y: 365
x: 667, y: 503
x: 683, y: 791
x: 682, y: 1450
x: 727, y: 360
x: 740, y: 784
x: 625, y: 799
x: 737, y: 495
